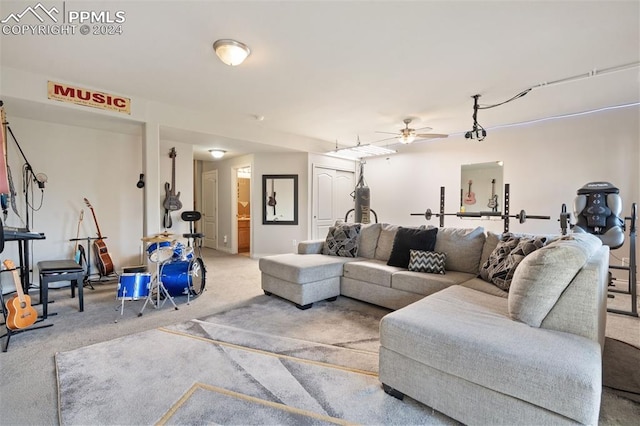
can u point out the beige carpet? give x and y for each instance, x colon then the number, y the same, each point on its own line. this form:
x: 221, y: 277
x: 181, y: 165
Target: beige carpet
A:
x: 256, y: 355
x: 200, y: 372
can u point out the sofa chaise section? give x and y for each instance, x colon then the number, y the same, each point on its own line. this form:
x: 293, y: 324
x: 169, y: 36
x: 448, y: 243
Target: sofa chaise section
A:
x: 302, y: 279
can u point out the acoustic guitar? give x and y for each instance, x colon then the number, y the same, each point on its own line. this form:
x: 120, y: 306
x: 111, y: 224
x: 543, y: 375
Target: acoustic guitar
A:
x: 272, y: 198
x: 103, y: 260
x: 470, y: 197
x: 20, y: 313
x: 76, y: 250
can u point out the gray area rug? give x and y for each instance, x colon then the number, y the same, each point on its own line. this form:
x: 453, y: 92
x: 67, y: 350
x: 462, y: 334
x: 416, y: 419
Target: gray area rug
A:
x: 264, y: 362
x: 622, y: 369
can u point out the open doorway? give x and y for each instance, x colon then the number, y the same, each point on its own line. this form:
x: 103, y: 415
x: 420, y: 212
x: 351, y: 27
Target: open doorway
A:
x: 243, y: 178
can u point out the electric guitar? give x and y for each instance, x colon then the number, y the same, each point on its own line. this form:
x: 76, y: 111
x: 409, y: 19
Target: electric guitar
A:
x: 172, y: 201
x: 493, y: 201
x: 272, y: 199
x: 103, y: 260
x: 470, y: 198
x: 20, y: 313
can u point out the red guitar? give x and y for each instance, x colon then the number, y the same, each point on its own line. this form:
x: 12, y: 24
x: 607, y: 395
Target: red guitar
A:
x: 20, y: 313
x: 470, y: 198
x: 103, y: 260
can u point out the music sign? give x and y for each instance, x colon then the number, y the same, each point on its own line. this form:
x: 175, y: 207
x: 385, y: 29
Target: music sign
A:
x: 86, y: 97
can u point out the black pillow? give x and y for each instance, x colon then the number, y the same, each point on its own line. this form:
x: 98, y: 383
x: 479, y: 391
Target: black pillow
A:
x: 411, y: 238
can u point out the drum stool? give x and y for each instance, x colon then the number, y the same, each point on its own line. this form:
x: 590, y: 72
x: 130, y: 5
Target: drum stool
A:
x: 60, y: 270
x: 192, y: 217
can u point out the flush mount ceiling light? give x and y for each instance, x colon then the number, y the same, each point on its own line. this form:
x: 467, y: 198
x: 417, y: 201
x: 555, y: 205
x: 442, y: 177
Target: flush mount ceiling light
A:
x: 231, y: 52
x: 217, y: 153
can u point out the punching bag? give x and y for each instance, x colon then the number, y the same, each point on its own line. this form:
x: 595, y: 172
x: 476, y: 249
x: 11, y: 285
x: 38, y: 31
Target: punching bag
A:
x: 363, y: 202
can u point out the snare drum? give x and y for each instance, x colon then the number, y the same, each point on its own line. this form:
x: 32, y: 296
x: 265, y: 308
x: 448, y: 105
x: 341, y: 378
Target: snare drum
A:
x: 183, y: 276
x: 133, y: 286
x: 160, y: 252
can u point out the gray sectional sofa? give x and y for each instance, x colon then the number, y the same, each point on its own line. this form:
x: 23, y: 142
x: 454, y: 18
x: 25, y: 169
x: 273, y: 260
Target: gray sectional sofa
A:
x: 461, y: 344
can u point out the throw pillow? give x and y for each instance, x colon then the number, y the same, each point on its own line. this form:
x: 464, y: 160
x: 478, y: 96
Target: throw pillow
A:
x: 342, y: 240
x: 495, y: 269
x: 504, y: 260
x: 427, y: 261
x: 411, y: 238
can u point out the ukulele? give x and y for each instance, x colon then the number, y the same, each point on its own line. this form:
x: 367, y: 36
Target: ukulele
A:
x: 103, y: 260
x: 470, y: 198
x: 493, y: 201
x: 20, y: 313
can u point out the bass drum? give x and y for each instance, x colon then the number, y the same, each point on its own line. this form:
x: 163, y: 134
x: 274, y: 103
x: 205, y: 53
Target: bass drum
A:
x: 184, y: 276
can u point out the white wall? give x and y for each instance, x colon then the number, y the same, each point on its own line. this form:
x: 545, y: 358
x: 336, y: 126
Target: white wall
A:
x: 79, y: 162
x: 544, y: 163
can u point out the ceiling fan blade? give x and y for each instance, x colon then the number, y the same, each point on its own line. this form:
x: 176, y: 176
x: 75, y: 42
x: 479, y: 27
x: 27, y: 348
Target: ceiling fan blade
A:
x: 424, y: 128
x: 431, y: 136
x: 391, y: 133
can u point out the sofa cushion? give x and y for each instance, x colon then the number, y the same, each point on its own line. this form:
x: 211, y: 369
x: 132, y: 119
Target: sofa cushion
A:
x: 463, y: 248
x: 481, y: 285
x: 427, y: 261
x: 371, y: 271
x: 468, y: 334
x: 543, y: 275
x: 368, y: 240
x: 426, y: 284
x: 302, y: 268
x: 410, y: 238
x: 342, y: 240
x: 385, y: 241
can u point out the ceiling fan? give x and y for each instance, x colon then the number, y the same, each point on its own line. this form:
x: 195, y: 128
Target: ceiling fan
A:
x: 408, y: 135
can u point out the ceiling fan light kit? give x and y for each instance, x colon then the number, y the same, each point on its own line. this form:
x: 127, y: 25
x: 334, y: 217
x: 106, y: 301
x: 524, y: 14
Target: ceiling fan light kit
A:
x: 231, y: 52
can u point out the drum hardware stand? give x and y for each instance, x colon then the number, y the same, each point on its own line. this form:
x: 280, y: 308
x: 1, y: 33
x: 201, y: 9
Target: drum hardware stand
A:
x: 160, y: 288
x: 522, y: 216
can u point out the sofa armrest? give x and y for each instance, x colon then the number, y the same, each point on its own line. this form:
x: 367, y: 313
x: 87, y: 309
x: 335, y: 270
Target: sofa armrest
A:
x: 582, y: 307
x: 310, y: 247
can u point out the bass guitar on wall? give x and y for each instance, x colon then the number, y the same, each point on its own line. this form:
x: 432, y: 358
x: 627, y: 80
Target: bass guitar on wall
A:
x: 103, y: 260
x: 20, y: 313
x: 171, y: 200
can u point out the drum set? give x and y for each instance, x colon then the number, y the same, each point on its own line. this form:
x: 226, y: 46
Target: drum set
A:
x: 179, y: 272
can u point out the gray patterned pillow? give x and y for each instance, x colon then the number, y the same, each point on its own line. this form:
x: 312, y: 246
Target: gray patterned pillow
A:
x: 506, y: 257
x: 342, y: 240
x: 427, y: 261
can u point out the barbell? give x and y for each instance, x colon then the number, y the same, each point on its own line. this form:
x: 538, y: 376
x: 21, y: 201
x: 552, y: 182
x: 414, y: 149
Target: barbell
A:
x: 522, y: 216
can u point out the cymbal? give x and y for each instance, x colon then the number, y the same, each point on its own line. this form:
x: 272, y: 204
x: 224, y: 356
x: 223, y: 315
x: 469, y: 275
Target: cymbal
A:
x: 156, y: 239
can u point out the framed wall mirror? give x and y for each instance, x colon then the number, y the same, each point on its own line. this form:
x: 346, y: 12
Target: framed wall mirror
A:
x: 481, y: 187
x: 279, y: 199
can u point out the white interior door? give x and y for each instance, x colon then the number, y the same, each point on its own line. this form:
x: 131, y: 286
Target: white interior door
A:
x: 331, y: 198
x: 210, y: 208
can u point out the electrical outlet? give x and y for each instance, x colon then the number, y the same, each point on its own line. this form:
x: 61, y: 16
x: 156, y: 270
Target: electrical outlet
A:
x: 294, y: 243
x: 225, y: 239
x: 624, y: 261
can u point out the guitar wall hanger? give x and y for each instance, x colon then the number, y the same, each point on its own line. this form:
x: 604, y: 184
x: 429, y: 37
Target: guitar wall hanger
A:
x: 522, y: 216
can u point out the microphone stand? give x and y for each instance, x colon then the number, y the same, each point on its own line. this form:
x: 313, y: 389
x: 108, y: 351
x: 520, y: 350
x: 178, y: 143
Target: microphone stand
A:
x: 28, y: 169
